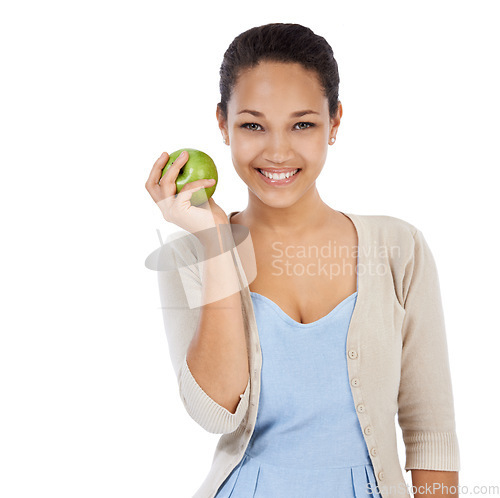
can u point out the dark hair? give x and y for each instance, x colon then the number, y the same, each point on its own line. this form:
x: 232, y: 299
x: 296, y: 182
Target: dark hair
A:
x: 280, y: 42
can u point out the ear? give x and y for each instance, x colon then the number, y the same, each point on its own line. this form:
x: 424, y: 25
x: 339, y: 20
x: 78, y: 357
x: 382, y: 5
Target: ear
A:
x: 335, y: 122
x: 222, y: 122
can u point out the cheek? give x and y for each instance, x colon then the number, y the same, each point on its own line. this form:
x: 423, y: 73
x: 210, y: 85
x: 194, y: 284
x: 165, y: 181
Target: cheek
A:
x: 244, y: 150
x: 314, y: 148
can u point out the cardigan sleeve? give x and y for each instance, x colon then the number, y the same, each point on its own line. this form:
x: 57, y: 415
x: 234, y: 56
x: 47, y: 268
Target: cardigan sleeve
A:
x: 425, y: 400
x: 180, y: 286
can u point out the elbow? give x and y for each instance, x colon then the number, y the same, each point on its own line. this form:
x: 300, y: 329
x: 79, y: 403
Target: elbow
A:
x: 206, y: 412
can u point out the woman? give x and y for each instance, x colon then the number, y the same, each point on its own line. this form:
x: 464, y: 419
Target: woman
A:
x: 302, y: 364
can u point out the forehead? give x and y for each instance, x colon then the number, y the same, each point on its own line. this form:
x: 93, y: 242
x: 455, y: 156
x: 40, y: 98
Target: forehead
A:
x: 273, y: 85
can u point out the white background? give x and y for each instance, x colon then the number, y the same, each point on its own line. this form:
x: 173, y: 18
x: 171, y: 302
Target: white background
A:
x: 93, y: 92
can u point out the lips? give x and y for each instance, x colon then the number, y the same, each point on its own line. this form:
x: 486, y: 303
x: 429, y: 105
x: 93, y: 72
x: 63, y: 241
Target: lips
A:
x: 278, y: 170
x: 282, y: 182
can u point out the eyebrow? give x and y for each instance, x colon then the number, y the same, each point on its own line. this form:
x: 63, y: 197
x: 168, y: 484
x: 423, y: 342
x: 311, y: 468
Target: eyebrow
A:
x: 293, y: 115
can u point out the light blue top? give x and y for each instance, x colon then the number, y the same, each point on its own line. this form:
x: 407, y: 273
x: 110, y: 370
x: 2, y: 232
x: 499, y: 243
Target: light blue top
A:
x: 307, y: 439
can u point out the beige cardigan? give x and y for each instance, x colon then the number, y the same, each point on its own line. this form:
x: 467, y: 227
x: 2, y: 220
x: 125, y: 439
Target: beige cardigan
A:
x: 396, y: 353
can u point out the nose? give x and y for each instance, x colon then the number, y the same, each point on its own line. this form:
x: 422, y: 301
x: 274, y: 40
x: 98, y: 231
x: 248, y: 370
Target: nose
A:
x: 277, y: 149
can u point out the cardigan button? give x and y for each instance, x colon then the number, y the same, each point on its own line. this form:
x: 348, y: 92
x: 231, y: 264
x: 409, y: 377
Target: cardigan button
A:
x: 353, y: 354
x: 355, y: 382
x: 368, y: 430
x: 361, y: 408
x: 381, y: 476
x: 373, y: 451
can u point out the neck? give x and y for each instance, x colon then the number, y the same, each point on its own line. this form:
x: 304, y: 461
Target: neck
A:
x: 305, y: 216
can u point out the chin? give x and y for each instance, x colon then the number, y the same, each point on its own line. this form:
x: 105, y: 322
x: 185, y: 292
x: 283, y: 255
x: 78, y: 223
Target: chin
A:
x: 278, y: 201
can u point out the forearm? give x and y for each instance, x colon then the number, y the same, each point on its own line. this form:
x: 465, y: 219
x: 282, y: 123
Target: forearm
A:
x: 435, y: 483
x: 217, y: 356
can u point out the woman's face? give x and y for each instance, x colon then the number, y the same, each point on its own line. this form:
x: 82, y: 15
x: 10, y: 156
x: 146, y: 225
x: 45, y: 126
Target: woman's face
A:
x: 278, y: 119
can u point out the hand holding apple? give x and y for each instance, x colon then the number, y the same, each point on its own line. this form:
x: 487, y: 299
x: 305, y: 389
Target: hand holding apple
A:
x: 174, y: 199
x: 199, y: 166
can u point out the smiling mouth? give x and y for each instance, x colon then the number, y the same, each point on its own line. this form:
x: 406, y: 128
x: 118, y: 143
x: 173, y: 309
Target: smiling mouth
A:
x: 277, y: 174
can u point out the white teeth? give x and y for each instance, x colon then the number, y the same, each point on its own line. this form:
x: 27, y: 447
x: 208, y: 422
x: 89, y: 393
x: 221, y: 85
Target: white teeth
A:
x: 279, y: 176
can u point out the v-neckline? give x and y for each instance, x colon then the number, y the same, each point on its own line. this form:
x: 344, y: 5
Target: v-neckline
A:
x: 358, y: 281
x: 288, y: 319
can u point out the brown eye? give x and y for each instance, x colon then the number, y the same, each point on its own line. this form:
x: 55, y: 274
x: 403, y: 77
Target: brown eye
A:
x: 308, y: 125
x: 246, y: 125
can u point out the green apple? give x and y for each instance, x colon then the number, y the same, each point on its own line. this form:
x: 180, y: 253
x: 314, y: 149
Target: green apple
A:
x: 199, y: 166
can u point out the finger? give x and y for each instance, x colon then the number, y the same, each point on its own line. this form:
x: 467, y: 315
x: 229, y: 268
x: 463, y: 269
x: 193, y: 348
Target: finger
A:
x: 155, y: 174
x: 183, y: 198
x: 205, y: 183
x: 173, y: 170
x: 168, y: 181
